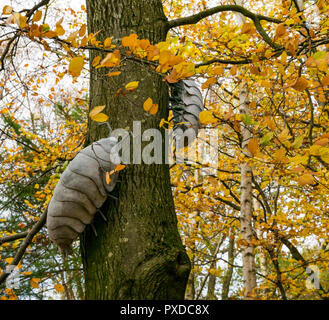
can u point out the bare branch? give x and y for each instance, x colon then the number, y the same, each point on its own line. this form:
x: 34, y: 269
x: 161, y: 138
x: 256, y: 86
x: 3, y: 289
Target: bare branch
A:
x: 256, y: 18
x: 26, y: 242
x: 13, y: 237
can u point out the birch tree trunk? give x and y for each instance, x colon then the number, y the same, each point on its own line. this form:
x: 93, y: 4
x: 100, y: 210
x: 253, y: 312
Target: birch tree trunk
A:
x: 229, y: 272
x: 190, y: 290
x: 248, y: 258
x: 138, y: 253
x: 262, y: 252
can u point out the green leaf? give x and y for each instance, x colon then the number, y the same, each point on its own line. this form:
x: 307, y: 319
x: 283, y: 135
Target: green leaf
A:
x: 267, y: 138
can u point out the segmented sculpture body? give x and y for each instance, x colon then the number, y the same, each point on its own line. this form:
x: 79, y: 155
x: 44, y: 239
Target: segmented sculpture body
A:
x: 186, y: 104
x: 82, y: 188
x: 81, y: 191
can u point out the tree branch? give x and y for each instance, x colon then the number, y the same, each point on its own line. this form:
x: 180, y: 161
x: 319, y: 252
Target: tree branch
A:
x: 256, y: 18
x: 26, y: 242
x: 13, y: 237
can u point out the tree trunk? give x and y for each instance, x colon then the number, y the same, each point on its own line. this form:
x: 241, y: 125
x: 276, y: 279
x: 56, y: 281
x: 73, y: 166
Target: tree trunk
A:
x: 211, y: 295
x: 248, y: 258
x: 191, y: 230
x: 229, y: 272
x: 138, y: 253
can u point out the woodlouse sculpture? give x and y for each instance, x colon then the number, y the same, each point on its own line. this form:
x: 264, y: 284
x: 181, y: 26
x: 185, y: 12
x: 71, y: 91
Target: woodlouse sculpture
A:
x: 81, y: 191
x: 186, y: 103
x: 82, y: 188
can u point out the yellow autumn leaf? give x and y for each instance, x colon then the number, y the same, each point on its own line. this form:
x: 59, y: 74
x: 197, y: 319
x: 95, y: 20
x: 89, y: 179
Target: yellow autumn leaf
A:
x: 132, y: 85
x: 75, y: 66
x: 37, y: 16
x: 279, y: 154
x: 59, y: 288
x: 96, y: 110
x: 13, y: 18
x: 306, y: 179
x: 300, y: 84
x: 100, y: 117
x: 297, y: 142
x: 22, y: 21
x: 206, y: 117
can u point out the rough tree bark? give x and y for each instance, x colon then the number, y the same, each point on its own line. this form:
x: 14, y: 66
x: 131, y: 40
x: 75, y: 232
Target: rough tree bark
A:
x: 138, y: 253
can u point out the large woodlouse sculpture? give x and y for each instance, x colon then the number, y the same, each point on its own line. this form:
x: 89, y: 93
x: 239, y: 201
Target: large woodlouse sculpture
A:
x: 82, y: 188
x: 186, y: 103
x: 81, y: 191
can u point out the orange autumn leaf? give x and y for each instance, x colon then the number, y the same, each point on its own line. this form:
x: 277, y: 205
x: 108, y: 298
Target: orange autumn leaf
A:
x: 150, y: 107
x: 96, y: 61
x: 107, y: 177
x: 280, y: 30
x: 322, y: 142
x: 115, y: 73
x: 9, y: 260
x: 325, y: 80
x: 209, y: 82
x: 37, y: 16
x: 107, y: 43
x: 253, y: 146
x: 119, y: 167
x: 82, y: 30
x: 35, y: 282
x: 112, y: 59
x: 306, y: 179
x: 59, y: 288
x: 300, y: 84
x: 7, y: 10
x: 130, y: 41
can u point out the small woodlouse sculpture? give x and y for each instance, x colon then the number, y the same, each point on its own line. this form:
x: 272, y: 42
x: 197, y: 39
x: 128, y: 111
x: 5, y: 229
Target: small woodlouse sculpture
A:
x: 82, y: 188
x: 81, y: 191
x: 186, y: 103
